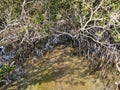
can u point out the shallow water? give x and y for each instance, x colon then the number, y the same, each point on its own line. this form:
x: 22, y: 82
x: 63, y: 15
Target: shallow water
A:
x: 60, y: 70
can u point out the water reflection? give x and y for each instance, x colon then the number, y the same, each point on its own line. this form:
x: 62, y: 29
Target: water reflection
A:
x: 59, y: 70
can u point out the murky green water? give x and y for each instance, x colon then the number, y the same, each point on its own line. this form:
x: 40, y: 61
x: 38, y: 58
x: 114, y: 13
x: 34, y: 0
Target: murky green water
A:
x: 60, y: 70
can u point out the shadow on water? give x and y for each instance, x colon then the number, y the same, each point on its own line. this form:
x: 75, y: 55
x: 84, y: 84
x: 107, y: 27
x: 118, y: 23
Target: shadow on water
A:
x: 58, y: 70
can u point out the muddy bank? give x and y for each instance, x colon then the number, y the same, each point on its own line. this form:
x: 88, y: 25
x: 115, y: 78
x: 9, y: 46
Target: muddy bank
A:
x: 61, y: 69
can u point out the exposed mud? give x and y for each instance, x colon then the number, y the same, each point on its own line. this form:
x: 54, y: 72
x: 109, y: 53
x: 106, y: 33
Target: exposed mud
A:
x: 60, y: 69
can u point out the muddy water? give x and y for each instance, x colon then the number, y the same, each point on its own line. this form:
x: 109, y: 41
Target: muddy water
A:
x: 60, y: 70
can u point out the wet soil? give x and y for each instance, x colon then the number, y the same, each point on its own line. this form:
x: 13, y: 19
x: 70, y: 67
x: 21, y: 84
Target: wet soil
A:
x: 60, y: 69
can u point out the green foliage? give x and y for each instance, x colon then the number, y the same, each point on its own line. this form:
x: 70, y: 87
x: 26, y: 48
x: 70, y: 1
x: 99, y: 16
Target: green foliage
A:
x: 47, y: 28
x: 40, y: 19
x: 53, y: 10
x: 45, y: 12
x: 6, y: 70
x: 117, y: 38
x: 7, y: 6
